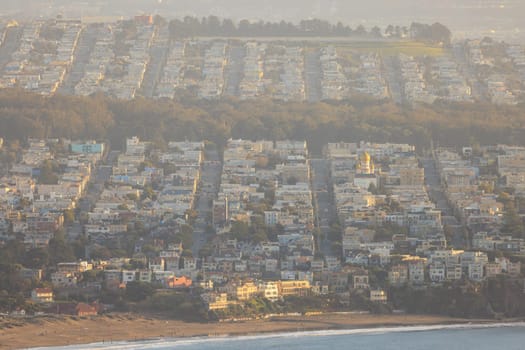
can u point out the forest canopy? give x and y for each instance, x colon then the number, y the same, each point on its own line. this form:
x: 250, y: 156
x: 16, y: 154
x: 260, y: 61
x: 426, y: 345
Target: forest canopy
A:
x: 214, y: 26
x: 23, y: 115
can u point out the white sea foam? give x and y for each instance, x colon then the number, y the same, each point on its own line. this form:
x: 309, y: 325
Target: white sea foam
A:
x: 182, y: 342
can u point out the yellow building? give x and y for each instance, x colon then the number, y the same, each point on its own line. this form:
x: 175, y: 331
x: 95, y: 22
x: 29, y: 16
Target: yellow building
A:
x: 246, y: 291
x: 365, y: 165
x: 270, y: 290
x: 217, y: 301
x: 296, y: 288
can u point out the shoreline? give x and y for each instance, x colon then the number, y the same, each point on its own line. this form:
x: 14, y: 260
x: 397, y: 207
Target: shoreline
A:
x: 63, y: 331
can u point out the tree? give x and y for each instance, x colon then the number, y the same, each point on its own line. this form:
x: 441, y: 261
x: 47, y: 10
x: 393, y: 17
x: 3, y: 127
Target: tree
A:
x: 12, y: 252
x: 440, y: 34
x: 123, y: 207
x: 360, y: 30
x: 292, y: 180
x: 59, y: 249
x: 435, y: 33
x: 228, y: 27
x: 240, y: 230
x: 47, y: 174
x: 186, y: 117
x: 206, y: 251
x: 137, y: 291
x: 505, y: 198
x: 36, y: 258
x: 512, y: 222
x: 260, y: 236
x: 69, y: 216
x: 99, y: 252
x: 389, y: 31
x: 92, y: 275
x: 186, y: 236
x: 375, y: 32
x: 149, y: 193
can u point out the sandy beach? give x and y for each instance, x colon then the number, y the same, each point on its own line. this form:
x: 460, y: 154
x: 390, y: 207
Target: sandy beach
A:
x: 54, y: 331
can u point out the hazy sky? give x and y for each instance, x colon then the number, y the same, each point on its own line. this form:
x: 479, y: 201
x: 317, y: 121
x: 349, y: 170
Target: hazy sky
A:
x: 458, y: 14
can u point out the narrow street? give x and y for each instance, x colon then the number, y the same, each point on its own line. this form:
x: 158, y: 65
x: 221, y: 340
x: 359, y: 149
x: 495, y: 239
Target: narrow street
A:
x: 323, y: 204
x: 437, y: 195
x: 10, y: 44
x: 207, y: 192
x: 85, y: 45
x: 234, y: 70
x: 158, y: 53
x: 392, y: 73
x: 312, y: 75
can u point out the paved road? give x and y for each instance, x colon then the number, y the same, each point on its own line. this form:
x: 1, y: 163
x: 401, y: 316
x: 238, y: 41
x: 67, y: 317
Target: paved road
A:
x: 85, y: 45
x: 10, y: 44
x: 312, y: 76
x: 479, y: 90
x: 235, y: 69
x: 437, y: 195
x: 102, y: 174
x: 208, y: 189
x: 323, y: 201
x: 158, y: 54
x: 392, y: 72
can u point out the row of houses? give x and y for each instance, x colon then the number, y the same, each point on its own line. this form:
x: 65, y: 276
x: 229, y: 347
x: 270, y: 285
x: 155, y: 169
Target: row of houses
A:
x: 446, y: 81
x: 283, y: 69
x: 118, y: 73
x: 450, y: 265
x: 212, y: 83
x: 252, y: 84
x: 33, y: 206
x: 172, y: 199
x: 172, y: 73
x: 496, y: 82
x: 334, y: 84
x: 371, y: 80
x: 43, y: 57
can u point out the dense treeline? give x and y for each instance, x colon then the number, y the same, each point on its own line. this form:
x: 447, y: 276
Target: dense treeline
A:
x: 14, y: 288
x: 25, y: 115
x: 435, y: 33
x: 496, y: 297
x: 214, y: 26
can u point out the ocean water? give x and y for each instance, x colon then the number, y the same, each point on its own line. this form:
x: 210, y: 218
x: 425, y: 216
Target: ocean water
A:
x: 447, y: 337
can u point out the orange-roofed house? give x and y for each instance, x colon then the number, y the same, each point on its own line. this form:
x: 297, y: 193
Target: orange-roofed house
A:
x: 76, y: 309
x: 83, y: 309
x: 178, y: 282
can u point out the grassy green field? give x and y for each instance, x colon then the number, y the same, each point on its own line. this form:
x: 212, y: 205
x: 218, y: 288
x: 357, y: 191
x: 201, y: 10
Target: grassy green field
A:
x: 388, y: 48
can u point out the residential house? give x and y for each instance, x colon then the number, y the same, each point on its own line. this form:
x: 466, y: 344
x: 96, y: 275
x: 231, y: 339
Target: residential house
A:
x: 378, y: 296
x: 416, y: 271
x: 294, y: 288
x: 178, y: 282
x: 398, y: 275
x: 360, y: 281
x: 42, y: 295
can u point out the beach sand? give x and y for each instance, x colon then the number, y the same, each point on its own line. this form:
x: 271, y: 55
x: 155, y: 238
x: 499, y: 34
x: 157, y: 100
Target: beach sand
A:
x: 64, y: 330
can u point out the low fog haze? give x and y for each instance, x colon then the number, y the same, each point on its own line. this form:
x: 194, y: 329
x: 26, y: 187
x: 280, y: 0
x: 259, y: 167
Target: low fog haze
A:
x: 498, y: 18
